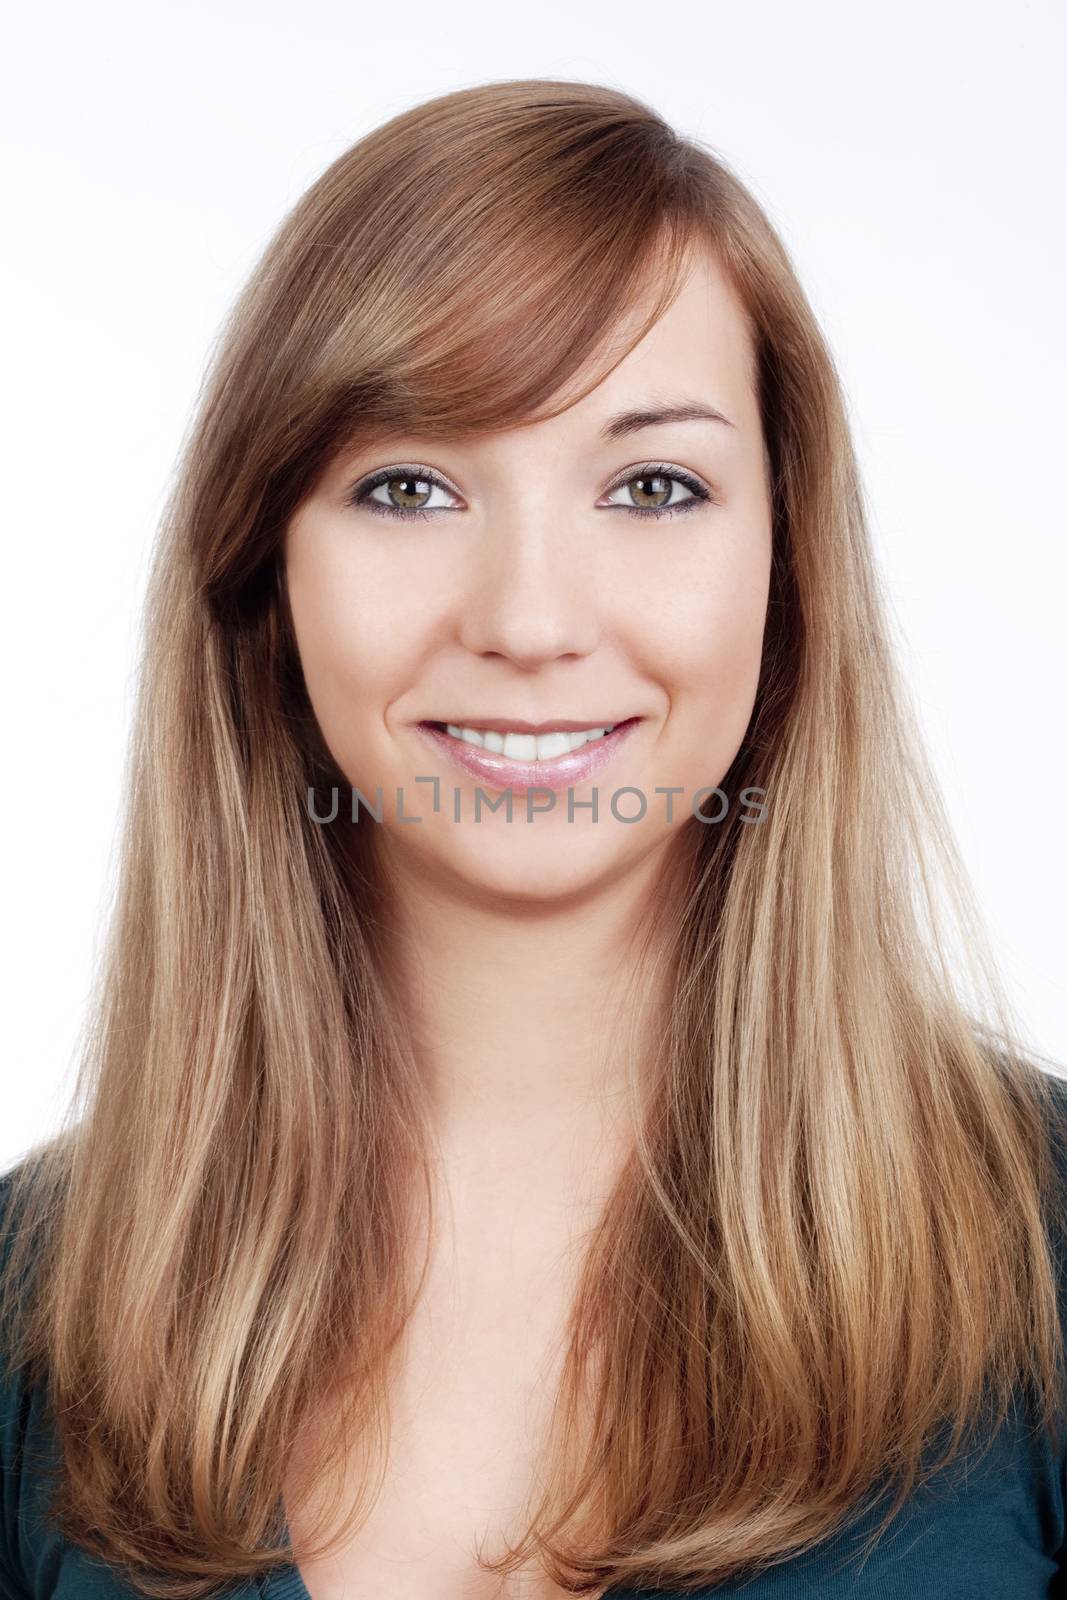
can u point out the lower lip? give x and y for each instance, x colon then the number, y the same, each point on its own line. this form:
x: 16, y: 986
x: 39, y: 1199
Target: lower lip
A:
x: 501, y: 772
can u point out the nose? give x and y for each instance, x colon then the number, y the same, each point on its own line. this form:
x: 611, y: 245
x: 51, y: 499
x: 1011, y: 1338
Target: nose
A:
x: 530, y: 595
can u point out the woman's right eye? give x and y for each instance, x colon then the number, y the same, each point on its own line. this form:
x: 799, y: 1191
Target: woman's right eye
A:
x: 400, y: 492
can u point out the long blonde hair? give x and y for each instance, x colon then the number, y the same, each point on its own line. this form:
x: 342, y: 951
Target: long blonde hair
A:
x: 832, y: 1235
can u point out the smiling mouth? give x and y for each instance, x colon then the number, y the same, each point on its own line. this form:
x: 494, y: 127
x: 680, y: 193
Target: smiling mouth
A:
x: 555, y: 758
x: 515, y: 745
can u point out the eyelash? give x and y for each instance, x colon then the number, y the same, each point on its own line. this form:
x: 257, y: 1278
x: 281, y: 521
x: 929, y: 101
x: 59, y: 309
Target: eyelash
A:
x: 360, y: 494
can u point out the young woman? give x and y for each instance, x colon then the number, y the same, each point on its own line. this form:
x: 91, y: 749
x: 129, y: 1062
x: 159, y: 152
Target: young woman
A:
x: 537, y: 1132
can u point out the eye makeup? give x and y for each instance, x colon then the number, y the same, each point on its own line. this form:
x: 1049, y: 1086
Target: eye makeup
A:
x: 361, y: 494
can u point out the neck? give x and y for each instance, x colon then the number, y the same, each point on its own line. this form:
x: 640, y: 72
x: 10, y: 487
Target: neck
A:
x: 524, y: 1016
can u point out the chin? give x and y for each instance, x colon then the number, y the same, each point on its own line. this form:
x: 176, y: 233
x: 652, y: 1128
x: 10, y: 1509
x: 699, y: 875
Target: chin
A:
x: 546, y: 865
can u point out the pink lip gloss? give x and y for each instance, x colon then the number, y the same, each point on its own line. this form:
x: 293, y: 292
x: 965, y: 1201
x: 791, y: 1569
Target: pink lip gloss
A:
x: 502, y: 772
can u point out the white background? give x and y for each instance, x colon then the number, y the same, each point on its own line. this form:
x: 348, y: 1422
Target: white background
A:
x: 912, y: 158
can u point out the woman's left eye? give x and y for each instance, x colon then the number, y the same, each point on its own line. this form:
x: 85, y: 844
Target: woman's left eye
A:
x: 652, y: 487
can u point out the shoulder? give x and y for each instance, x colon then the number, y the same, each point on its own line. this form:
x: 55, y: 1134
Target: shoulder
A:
x: 1057, y: 1087
x: 13, y: 1398
x: 15, y: 1405
x: 1056, y: 1107
x: 27, y: 1449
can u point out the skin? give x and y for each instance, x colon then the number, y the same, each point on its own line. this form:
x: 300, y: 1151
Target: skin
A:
x: 531, y: 594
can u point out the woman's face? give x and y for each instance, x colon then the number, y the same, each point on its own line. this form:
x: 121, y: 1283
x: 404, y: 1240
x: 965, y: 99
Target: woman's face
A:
x: 569, y: 574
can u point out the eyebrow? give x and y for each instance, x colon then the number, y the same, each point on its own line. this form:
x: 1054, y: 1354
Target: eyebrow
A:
x: 649, y: 417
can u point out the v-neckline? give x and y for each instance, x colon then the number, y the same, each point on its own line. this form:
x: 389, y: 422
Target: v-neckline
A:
x: 284, y: 1581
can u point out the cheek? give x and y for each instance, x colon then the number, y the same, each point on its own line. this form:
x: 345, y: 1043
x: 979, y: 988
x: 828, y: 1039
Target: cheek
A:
x: 705, y: 634
x: 356, y: 638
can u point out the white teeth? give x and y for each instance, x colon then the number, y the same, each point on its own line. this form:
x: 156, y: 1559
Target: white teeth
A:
x: 529, y: 746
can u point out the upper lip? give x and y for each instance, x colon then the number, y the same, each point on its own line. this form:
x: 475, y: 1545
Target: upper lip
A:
x: 517, y: 725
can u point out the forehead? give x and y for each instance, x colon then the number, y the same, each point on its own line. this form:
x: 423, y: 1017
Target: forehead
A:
x: 701, y: 347
x: 700, y: 352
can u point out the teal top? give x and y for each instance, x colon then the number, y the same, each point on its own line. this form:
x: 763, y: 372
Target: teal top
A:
x: 995, y: 1528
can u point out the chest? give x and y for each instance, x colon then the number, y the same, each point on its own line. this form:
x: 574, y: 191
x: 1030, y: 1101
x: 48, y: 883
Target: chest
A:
x: 470, y: 1398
